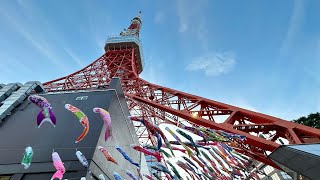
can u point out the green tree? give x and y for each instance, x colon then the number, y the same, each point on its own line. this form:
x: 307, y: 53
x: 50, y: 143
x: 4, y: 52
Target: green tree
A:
x: 312, y: 120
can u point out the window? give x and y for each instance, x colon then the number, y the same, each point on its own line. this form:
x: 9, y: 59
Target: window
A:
x: 268, y: 169
x: 81, y: 98
x: 275, y: 177
x: 284, y: 175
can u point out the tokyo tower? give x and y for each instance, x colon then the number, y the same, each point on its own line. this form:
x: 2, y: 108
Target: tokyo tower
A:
x: 123, y: 58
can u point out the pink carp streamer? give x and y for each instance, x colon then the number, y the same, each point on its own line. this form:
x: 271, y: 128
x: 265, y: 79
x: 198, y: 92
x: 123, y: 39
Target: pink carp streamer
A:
x: 105, y: 115
x: 147, y: 152
x: 58, y: 164
x: 185, y: 168
x: 155, y: 131
x: 148, y: 177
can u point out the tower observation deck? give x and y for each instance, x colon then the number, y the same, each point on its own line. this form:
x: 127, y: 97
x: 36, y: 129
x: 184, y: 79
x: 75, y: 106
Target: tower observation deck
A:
x: 129, y: 38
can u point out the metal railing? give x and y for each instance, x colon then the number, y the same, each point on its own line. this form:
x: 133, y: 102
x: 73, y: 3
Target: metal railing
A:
x: 122, y: 39
x: 117, y: 39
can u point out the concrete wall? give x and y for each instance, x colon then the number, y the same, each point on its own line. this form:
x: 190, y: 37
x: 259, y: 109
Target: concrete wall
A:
x: 124, y: 135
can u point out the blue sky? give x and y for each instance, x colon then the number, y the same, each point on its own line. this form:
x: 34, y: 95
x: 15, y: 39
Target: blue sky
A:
x: 261, y: 55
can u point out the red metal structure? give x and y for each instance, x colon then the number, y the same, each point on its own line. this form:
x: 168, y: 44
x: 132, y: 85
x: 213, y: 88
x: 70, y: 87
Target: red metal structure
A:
x: 123, y: 58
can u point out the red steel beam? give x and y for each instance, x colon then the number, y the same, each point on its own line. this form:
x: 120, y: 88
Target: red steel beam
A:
x: 261, y: 143
x: 162, y: 101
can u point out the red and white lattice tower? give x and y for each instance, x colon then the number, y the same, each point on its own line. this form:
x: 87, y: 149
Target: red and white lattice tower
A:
x: 123, y: 58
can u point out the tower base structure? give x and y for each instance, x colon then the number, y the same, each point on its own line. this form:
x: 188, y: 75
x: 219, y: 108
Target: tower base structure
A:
x: 123, y: 58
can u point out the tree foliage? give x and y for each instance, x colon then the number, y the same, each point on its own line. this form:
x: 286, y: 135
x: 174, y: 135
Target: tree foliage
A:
x: 312, y: 120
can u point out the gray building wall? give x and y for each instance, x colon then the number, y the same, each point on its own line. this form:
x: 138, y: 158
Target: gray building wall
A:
x: 19, y: 130
x: 304, y: 159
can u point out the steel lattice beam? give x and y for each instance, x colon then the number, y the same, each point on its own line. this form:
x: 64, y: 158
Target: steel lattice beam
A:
x: 164, y: 105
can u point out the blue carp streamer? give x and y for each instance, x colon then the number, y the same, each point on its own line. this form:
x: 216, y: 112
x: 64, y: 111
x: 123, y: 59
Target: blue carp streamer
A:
x: 117, y: 176
x: 125, y: 155
x: 133, y: 177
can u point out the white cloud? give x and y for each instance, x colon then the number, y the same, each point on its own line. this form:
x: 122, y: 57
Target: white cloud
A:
x: 238, y: 101
x: 317, y: 51
x: 213, y: 64
x: 183, y: 27
x: 5, y: 70
x: 192, y: 19
x: 202, y: 34
x: 241, y: 103
x: 182, y: 12
x: 42, y: 45
x: 159, y: 17
x: 188, y: 13
x: 151, y: 71
x: 295, y: 23
x: 288, y: 113
x: 74, y: 57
